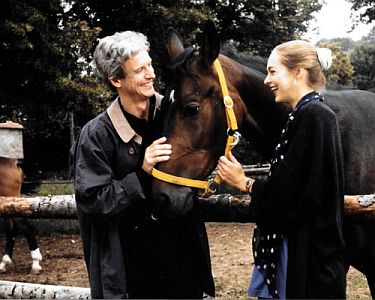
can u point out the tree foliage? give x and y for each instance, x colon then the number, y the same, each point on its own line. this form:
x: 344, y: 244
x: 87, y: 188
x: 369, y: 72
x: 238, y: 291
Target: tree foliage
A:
x: 258, y: 26
x: 346, y: 44
x: 252, y: 26
x: 368, y: 15
x: 40, y: 76
x: 341, y: 71
x: 46, y: 48
x: 363, y: 60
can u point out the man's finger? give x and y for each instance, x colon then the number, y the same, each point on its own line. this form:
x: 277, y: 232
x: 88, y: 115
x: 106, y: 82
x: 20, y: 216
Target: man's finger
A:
x: 162, y: 152
x: 162, y: 158
x: 162, y: 147
x: 160, y: 140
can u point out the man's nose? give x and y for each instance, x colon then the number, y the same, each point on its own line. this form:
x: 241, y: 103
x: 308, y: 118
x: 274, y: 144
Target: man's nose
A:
x: 150, y: 73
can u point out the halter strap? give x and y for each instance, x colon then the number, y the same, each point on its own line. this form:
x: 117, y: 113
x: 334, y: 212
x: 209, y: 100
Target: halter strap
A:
x: 210, y: 186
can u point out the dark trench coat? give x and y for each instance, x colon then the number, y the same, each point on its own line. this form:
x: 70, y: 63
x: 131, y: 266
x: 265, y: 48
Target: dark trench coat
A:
x: 123, y: 246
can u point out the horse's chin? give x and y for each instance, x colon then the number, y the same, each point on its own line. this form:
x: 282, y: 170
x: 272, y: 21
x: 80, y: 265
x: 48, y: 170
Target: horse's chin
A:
x: 174, y: 202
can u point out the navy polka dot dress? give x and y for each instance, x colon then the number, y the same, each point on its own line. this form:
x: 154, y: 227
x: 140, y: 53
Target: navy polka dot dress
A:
x: 266, y: 242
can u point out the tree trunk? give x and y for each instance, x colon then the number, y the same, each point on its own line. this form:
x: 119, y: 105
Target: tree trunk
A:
x: 21, y: 290
x: 59, y: 207
x: 71, y: 129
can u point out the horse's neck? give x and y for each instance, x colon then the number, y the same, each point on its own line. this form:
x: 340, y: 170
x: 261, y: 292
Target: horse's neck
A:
x: 263, y: 118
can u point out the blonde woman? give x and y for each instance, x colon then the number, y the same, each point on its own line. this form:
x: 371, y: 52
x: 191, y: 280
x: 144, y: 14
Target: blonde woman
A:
x: 298, y: 246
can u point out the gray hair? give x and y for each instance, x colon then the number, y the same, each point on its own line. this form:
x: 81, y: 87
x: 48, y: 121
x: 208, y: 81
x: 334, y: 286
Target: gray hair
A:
x: 113, y: 50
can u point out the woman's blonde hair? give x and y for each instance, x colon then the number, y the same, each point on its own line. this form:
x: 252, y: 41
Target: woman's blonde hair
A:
x: 302, y: 54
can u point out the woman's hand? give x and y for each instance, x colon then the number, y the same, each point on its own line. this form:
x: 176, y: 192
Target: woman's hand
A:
x: 231, y: 172
x: 157, y: 152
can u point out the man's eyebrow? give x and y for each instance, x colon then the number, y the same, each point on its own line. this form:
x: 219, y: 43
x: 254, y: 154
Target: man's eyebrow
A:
x: 142, y: 65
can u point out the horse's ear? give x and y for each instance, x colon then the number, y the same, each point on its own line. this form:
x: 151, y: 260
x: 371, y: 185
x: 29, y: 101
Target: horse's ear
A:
x: 175, y: 46
x: 210, y: 47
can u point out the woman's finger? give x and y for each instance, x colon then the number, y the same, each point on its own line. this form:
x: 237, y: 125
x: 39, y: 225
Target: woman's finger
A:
x: 232, y: 158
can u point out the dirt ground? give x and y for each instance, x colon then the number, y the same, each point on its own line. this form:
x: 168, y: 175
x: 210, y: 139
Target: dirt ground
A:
x: 230, y: 245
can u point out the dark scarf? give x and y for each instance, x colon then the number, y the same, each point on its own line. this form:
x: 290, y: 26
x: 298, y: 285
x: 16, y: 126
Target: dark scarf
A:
x: 267, y: 242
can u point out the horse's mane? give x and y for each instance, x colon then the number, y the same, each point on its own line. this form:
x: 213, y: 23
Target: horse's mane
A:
x: 253, y: 62
x: 178, y: 66
x: 260, y: 64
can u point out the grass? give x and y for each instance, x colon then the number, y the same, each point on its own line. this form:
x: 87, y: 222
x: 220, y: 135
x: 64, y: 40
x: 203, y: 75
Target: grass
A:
x: 46, y: 189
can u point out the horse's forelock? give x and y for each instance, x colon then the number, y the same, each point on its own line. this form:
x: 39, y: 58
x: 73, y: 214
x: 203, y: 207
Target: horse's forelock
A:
x: 178, y: 65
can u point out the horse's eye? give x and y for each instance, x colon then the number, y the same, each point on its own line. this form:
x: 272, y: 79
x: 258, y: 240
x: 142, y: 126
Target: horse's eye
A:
x: 191, y: 109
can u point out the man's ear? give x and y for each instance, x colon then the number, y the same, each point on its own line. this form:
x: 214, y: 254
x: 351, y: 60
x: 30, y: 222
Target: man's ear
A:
x: 115, y: 82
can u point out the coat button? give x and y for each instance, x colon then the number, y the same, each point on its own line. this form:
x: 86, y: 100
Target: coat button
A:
x: 131, y: 151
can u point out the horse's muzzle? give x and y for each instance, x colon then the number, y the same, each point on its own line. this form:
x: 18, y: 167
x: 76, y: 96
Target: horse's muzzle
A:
x: 173, y: 201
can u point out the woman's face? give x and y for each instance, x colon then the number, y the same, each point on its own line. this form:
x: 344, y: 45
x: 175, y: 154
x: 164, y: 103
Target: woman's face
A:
x: 281, y: 80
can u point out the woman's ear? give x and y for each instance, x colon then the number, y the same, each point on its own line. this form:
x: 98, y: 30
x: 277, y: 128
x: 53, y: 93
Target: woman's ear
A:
x: 300, y: 73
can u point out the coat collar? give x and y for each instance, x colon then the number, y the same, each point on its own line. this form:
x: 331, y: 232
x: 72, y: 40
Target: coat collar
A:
x: 122, y: 125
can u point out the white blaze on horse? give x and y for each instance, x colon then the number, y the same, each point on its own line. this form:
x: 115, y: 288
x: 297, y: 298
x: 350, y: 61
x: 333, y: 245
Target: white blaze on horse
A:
x: 11, y: 178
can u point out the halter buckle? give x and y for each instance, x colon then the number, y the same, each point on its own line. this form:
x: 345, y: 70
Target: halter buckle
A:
x: 237, y: 137
x: 228, y: 101
x: 210, y: 190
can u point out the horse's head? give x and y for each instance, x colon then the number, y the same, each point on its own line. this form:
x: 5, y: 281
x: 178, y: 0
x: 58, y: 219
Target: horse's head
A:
x: 196, y: 122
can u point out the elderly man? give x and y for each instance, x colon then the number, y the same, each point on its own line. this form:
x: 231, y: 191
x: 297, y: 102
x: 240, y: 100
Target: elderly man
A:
x: 128, y: 252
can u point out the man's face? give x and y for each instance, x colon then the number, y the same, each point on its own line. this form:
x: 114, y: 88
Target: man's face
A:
x: 138, y: 82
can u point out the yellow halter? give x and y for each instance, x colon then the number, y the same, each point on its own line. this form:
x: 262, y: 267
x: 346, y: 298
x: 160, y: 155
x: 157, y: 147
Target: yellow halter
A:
x: 210, y: 186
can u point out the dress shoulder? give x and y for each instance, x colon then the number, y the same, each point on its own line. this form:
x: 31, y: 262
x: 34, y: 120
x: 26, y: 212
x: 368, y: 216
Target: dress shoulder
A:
x: 318, y: 109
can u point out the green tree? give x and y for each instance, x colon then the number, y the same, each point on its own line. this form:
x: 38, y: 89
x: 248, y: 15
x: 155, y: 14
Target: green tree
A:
x: 46, y: 48
x: 41, y: 78
x: 368, y: 14
x: 253, y: 26
x: 341, y: 71
x: 370, y: 37
x: 346, y: 44
x: 151, y: 17
x: 363, y: 60
x: 258, y: 26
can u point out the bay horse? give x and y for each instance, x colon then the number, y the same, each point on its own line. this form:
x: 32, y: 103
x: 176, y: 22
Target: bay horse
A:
x: 196, y: 127
x: 11, y: 179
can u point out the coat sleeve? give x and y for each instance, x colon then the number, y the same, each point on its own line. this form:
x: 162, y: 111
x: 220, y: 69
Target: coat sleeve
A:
x: 98, y: 193
x: 309, y: 175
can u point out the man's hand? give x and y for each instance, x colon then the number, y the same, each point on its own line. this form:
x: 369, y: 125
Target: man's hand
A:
x: 157, y: 152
